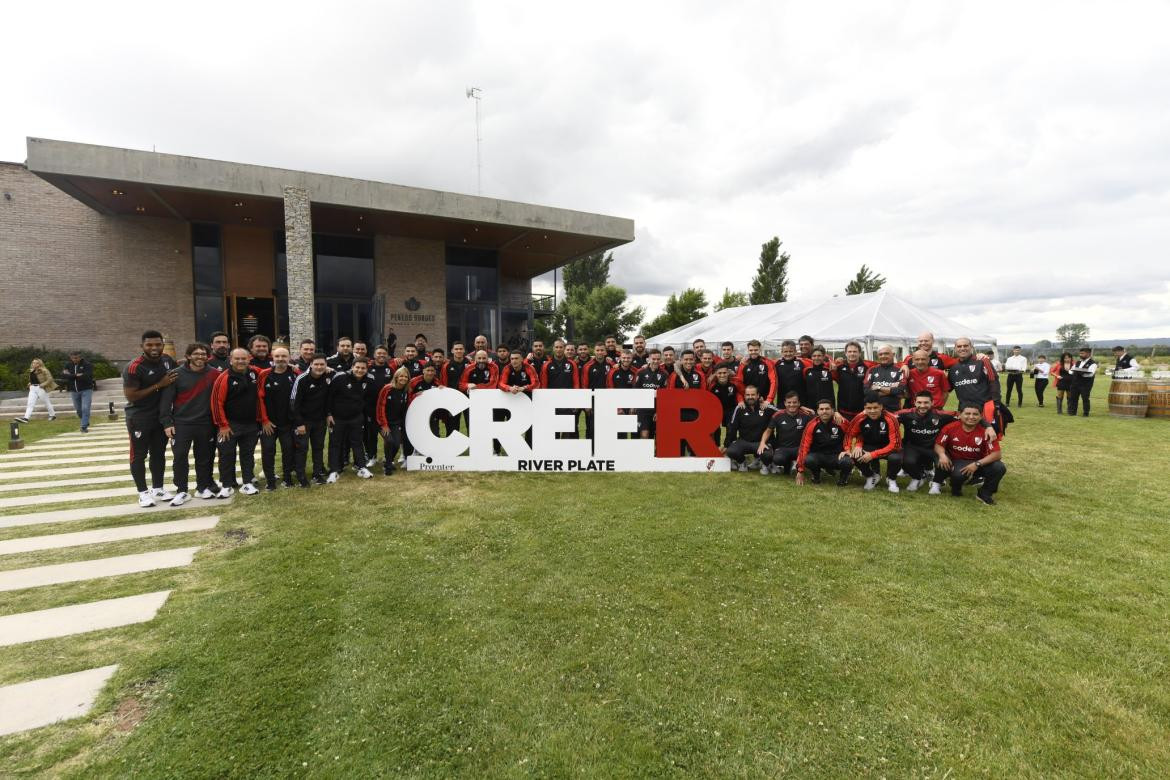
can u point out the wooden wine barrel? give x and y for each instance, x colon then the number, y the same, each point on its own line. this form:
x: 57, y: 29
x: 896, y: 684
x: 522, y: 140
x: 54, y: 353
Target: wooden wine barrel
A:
x: 1159, y: 395
x: 1129, y: 398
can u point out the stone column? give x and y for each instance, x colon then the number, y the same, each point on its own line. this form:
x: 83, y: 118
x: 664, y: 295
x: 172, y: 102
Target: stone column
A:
x: 298, y: 252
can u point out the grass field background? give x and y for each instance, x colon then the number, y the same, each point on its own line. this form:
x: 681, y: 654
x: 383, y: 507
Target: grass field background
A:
x: 612, y: 625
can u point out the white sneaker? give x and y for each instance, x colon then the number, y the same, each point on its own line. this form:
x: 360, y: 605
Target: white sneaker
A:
x: 901, y: 473
x: 180, y: 499
x: 162, y: 494
x: 205, y: 494
x: 741, y: 467
x: 145, y: 499
x: 333, y: 477
x: 371, y: 463
x: 248, y: 489
x: 870, y: 482
x: 893, y: 484
x: 364, y: 473
x: 914, y: 485
x: 225, y: 492
x: 935, y: 489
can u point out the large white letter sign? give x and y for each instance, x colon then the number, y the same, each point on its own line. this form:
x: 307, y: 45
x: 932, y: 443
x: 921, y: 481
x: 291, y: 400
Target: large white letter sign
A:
x: 608, y: 423
x: 418, y: 428
x: 546, y: 423
x: 510, y: 432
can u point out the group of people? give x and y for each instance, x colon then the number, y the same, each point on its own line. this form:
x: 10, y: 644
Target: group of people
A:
x: 804, y: 413
x: 1073, y: 377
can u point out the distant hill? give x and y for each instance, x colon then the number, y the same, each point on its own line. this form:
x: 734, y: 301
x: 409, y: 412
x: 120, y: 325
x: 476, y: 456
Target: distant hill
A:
x: 1158, y: 342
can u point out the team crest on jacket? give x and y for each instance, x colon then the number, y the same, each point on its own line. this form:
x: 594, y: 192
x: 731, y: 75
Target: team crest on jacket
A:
x: 978, y: 440
x: 971, y: 368
x: 930, y: 380
x: 137, y: 434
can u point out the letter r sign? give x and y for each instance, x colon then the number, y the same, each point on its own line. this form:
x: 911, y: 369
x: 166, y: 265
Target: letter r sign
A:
x: 673, y: 430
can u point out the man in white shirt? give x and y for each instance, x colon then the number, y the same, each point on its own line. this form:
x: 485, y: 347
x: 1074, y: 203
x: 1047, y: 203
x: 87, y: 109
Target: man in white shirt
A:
x: 1084, y: 371
x: 1015, y: 366
x: 1125, y: 361
x: 1040, y: 371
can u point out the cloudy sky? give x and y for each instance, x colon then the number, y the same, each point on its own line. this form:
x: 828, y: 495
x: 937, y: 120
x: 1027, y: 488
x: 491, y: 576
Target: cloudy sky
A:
x: 1007, y: 163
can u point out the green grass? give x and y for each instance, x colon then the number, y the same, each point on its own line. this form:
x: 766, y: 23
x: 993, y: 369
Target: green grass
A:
x: 613, y: 625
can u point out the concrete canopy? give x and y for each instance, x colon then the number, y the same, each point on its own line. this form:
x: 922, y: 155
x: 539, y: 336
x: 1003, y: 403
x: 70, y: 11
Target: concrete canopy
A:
x: 529, y: 239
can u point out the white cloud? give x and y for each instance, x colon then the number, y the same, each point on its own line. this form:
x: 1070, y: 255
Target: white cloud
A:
x: 1004, y: 162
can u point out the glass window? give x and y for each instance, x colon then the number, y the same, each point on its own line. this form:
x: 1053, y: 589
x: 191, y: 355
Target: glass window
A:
x: 326, y: 331
x: 471, y: 284
x: 345, y: 276
x: 208, y: 315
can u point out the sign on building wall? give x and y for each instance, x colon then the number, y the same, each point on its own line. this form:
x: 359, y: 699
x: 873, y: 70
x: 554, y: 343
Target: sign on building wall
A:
x: 410, y: 313
x: 497, y: 416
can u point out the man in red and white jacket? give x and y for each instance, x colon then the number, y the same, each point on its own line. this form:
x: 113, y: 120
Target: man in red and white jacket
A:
x: 925, y: 377
x: 965, y: 453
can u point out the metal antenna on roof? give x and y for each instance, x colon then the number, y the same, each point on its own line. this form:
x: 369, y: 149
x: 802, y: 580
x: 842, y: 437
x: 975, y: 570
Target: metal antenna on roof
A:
x: 474, y: 94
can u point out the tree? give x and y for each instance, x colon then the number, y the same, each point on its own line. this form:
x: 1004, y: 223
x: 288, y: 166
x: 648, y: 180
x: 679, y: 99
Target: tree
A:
x: 770, y: 284
x: 601, y: 312
x: 587, y: 273
x: 1072, y: 335
x: 685, y: 307
x: 731, y: 300
x: 866, y: 281
x: 1043, y: 344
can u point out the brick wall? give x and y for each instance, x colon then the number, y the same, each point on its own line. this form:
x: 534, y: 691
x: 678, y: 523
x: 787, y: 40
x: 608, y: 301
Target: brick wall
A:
x: 75, y: 278
x: 411, y: 268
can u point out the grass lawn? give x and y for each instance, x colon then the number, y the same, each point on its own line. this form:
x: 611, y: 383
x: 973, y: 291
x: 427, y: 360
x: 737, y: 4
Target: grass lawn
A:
x: 611, y: 625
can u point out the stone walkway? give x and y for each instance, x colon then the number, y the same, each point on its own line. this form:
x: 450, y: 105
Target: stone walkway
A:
x: 25, y: 476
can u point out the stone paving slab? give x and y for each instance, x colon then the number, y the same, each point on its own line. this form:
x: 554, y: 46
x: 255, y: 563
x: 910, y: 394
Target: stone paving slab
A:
x: 47, y: 471
x: 37, y: 703
x: 102, y: 535
x: 56, y: 449
x: 39, y: 576
x: 11, y: 487
x: 80, y: 618
x: 80, y: 438
x: 13, y: 457
x: 8, y: 464
x: 60, y: 498
x: 115, y: 510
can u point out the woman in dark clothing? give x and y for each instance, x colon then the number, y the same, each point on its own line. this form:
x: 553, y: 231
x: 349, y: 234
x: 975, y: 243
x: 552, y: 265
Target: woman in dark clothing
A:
x: 1062, y: 373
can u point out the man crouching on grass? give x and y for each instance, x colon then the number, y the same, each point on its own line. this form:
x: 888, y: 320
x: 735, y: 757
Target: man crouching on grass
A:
x: 965, y: 452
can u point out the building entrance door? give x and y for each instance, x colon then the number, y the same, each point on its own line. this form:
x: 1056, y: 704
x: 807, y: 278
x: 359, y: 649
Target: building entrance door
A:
x: 464, y: 323
x: 250, y: 316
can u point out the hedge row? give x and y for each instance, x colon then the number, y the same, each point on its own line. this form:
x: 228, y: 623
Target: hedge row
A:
x: 14, y: 363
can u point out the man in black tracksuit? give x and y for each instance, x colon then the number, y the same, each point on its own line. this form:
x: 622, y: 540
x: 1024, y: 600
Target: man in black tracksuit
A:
x: 729, y: 392
x: 886, y: 380
x: 746, y: 432
x: 185, y: 414
x: 595, y: 376
x: 309, y: 396
x: 686, y: 377
x: 342, y: 359
x: 823, y: 447
x: 276, y: 426
x: 789, y: 371
x: 346, y: 406
x: 379, y: 373
x: 871, y: 437
x: 785, y: 431
x: 559, y: 372
x: 236, y: 413
x: 974, y: 380
x: 652, y: 377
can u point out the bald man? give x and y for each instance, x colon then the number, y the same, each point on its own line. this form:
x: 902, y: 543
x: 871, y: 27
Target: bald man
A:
x: 926, y: 344
x: 886, y: 380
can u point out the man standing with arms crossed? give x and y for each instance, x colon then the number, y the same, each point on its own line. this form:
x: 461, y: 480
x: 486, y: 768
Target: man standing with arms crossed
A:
x: 143, y: 380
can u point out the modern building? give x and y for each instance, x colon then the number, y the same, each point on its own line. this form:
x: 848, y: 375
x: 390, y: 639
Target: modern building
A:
x: 98, y: 244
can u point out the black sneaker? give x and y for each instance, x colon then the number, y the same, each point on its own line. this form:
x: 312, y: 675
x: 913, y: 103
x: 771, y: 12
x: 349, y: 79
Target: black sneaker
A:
x: 319, y: 479
x: 271, y: 485
x: 956, y: 492
x: 842, y: 479
x: 21, y: 420
x: 287, y: 482
x: 985, y: 498
x: 815, y: 477
x: 304, y: 482
x: 390, y: 469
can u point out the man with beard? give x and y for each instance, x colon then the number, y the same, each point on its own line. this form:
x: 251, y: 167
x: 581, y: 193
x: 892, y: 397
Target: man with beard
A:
x: 538, y: 357
x: 501, y: 356
x: 785, y: 432
x: 221, y: 347
x: 143, y: 381
x: 185, y: 414
x: 640, y: 355
x: 758, y: 372
x: 236, y: 414
x: 730, y: 394
x: 275, y: 403
x: 612, y: 354
x: 259, y: 349
x: 560, y: 372
x: 450, y: 373
x: 823, y: 448
x: 805, y: 345
x: 342, y: 359
x: 746, y: 434
x: 595, y: 376
x: 686, y: 377
x: 410, y: 361
x: 668, y: 360
x: 307, y: 349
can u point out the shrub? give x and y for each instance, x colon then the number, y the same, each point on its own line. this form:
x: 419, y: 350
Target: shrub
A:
x: 14, y: 363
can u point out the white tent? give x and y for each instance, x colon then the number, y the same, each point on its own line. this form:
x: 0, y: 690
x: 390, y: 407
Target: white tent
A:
x: 872, y: 319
